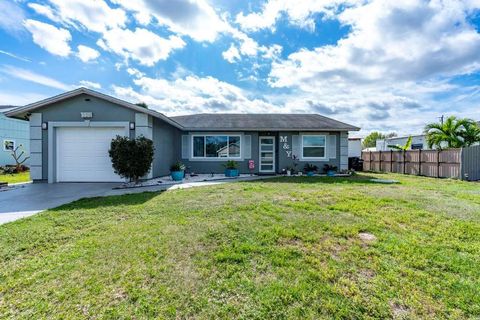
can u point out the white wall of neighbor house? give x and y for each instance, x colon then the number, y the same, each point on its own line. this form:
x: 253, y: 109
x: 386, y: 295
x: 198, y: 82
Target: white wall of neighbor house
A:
x: 418, y: 142
x: 354, y: 148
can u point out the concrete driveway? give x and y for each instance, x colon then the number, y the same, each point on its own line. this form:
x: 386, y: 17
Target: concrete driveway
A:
x: 29, y: 199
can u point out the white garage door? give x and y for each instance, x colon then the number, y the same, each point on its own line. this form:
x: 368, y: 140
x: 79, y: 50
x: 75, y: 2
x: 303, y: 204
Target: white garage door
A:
x: 82, y: 154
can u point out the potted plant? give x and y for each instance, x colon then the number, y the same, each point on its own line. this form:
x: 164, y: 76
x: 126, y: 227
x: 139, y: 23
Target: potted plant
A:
x: 231, y: 169
x: 289, y: 171
x: 310, y: 169
x: 330, y: 170
x: 177, y: 171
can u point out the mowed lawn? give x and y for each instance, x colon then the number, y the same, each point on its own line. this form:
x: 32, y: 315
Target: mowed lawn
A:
x: 15, y: 177
x: 286, y: 248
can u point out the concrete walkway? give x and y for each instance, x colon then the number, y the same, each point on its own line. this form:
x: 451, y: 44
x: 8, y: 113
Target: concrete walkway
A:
x: 29, y: 199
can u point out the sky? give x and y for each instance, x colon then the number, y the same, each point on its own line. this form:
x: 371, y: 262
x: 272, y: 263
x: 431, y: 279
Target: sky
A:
x: 391, y: 66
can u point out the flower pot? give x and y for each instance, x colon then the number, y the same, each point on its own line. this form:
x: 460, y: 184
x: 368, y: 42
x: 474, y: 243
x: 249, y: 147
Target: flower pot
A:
x: 177, y: 175
x: 289, y: 173
x: 310, y: 173
x: 330, y: 173
x: 231, y: 173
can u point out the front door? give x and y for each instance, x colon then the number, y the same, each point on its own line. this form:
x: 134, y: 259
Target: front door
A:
x: 267, y: 154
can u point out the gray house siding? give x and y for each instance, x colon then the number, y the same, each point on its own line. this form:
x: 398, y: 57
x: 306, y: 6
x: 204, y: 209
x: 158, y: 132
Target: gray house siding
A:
x: 167, y: 142
x: 283, y: 159
x: 294, y: 146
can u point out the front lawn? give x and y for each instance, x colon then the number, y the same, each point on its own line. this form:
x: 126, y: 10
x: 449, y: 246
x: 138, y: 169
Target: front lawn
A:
x: 302, y: 248
x: 15, y: 177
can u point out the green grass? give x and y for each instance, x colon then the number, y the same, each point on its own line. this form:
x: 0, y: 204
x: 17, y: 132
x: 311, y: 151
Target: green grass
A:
x: 16, y: 177
x: 287, y: 248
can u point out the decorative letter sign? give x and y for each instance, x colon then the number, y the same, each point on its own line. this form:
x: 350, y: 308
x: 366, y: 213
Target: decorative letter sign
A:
x: 286, y: 146
x: 251, y: 164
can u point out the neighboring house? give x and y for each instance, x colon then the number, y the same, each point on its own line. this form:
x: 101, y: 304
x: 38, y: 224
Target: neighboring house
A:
x: 71, y: 135
x: 354, y: 147
x: 13, y: 132
x: 418, y: 142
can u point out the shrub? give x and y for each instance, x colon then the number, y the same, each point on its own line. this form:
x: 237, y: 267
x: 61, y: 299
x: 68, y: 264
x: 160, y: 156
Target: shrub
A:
x: 329, y: 167
x: 131, y: 158
x: 177, y: 166
x: 310, y: 167
x: 231, y: 164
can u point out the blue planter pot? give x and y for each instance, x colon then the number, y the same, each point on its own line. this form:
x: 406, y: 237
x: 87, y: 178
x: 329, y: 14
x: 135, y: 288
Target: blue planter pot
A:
x: 177, y: 175
x: 310, y: 173
x: 231, y: 172
x: 330, y: 173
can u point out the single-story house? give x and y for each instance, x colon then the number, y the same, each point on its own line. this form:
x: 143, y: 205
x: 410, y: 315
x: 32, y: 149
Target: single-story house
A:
x: 70, y: 135
x: 13, y: 133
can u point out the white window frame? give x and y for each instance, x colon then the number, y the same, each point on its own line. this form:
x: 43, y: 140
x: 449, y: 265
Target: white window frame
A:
x: 9, y: 140
x: 324, y: 146
x: 193, y: 136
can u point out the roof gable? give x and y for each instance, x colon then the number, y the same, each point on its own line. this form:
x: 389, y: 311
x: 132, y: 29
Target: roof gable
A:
x: 70, y: 94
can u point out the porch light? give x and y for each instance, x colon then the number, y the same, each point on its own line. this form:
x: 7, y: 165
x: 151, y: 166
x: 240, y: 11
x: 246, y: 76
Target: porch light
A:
x: 44, y: 125
x: 132, y: 125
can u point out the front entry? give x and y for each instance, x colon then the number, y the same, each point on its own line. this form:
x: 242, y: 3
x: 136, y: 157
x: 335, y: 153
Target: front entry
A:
x: 266, y: 154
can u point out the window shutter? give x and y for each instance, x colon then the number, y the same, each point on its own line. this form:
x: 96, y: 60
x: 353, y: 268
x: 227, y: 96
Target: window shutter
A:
x: 332, y: 146
x: 185, y: 146
x: 296, y: 146
x: 247, y: 147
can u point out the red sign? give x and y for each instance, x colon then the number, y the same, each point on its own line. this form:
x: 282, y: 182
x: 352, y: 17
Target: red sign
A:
x: 251, y: 164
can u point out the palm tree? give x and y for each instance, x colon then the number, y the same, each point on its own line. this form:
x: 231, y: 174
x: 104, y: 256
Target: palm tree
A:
x: 453, y: 132
x: 400, y: 147
x: 471, y: 134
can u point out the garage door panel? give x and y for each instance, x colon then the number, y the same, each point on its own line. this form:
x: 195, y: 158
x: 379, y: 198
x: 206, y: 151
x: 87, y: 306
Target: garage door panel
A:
x: 82, y: 154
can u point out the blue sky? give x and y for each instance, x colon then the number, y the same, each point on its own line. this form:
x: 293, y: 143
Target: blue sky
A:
x: 381, y: 65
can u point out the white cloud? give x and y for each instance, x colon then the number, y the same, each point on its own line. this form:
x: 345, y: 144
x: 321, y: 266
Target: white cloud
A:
x: 45, y: 10
x: 192, y: 94
x: 30, y: 76
x: 92, y: 15
x: 10, y: 98
x: 142, y: 45
x: 232, y: 54
x: 396, y: 53
x: 90, y: 84
x: 299, y: 13
x: 15, y: 56
x: 54, y: 40
x: 11, y: 17
x: 87, y: 54
x: 194, y: 18
x: 135, y: 72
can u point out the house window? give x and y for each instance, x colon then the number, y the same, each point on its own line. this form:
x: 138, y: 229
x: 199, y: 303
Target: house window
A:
x: 313, y: 146
x: 8, y: 145
x: 216, y: 146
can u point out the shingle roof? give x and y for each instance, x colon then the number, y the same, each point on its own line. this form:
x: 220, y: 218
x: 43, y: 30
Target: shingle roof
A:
x: 306, y: 122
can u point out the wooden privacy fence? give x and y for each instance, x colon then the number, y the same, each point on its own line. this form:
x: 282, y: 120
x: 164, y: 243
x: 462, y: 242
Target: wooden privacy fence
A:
x: 430, y: 163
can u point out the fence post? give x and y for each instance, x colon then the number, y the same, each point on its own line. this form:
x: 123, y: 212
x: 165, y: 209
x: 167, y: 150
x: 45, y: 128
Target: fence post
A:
x: 370, y: 161
x: 391, y: 160
x: 419, y: 162
x: 380, y: 161
x: 404, y: 160
x: 438, y: 163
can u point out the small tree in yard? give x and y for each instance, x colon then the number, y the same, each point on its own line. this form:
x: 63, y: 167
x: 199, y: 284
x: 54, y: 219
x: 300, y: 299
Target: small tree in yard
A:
x: 131, y: 158
x: 19, y: 158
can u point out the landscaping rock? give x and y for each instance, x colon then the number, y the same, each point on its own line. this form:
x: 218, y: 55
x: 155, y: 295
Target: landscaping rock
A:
x: 367, y: 237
